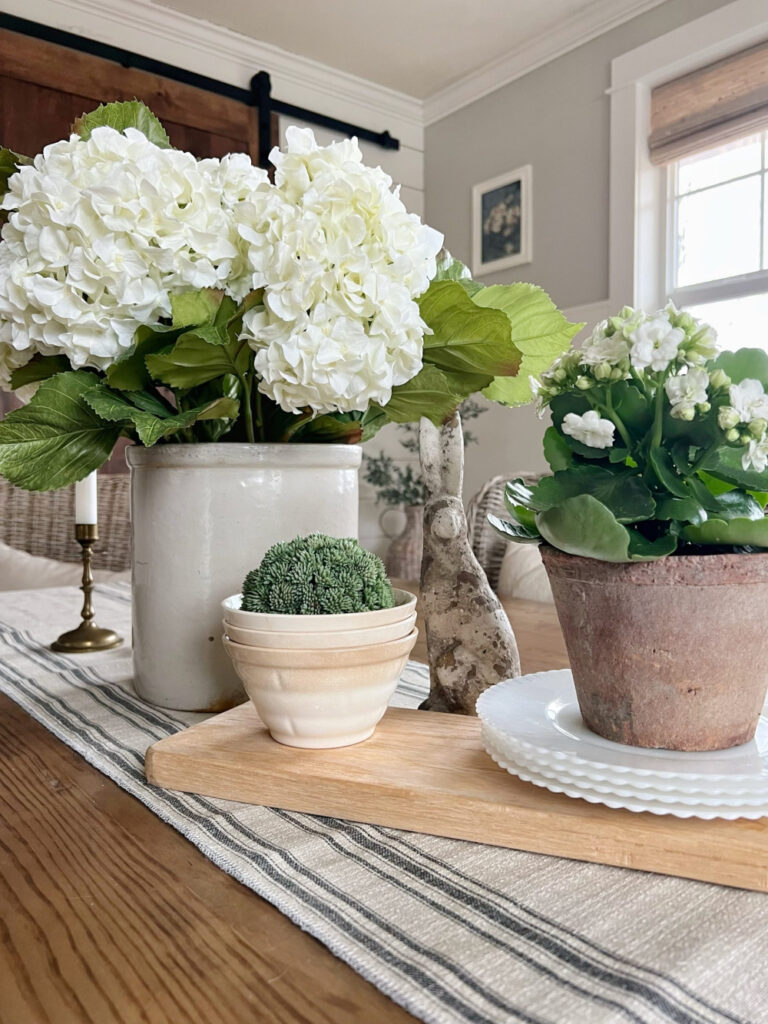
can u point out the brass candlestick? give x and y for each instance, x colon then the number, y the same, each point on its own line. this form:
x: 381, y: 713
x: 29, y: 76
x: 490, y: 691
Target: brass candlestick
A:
x: 88, y: 636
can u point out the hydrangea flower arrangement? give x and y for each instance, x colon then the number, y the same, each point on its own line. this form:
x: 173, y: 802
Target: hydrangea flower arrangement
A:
x: 658, y: 445
x: 148, y: 294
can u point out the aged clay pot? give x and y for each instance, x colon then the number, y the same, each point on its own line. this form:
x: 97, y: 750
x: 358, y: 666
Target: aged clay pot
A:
x: 672, y: 653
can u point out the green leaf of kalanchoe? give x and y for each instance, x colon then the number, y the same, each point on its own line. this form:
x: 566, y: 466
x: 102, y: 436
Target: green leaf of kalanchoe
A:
x: 582, y: 525
x: 733, y: 533
x: 57, y: 438
x: 122, y: 115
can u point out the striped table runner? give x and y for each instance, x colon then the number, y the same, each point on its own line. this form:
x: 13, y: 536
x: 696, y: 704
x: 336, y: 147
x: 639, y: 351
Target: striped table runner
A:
x: 453, y: 931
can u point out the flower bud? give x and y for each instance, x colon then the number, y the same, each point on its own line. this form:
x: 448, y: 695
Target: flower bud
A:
x: 685, y: 412
x: 745, y: 439
x: 602, y: 371
x: 757, y: 428
x: 719, y: 379
x: 703, y: 407
x: 559, y: 375
x: 727, y: 417
x: 583, y: 383
x: 732, y: 435
x: 618, y: 374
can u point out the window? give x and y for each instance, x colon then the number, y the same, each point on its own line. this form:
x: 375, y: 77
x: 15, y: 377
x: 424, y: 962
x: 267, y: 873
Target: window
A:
x: 717, y: 231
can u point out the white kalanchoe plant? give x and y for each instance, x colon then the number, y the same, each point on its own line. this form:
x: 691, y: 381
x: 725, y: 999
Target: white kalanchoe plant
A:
x: 154, y: 296
x: 658, y: 445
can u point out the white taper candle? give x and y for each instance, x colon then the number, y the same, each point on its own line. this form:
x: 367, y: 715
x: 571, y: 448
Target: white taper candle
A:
x: 86, y: 500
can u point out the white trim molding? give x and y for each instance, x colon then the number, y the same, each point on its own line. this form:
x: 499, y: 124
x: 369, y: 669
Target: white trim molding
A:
x: 208, y: 49
x: 582, y: 26
x: 637, y: 188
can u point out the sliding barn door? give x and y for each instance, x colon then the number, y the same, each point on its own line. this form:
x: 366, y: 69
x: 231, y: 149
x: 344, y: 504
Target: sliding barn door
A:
x: 44, y: 87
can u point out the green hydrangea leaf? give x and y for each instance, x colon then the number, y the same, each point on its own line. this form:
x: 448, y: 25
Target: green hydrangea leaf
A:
x: 129, y: 373
x: 744, y: 363
x: 449, y: 269
x: 731, y: 532
x: 189, y: 309
x: 10, y: 162
x: 538, y: 330
x: 624, y: 493
x: 373, y: 420
x: 334, y: 428
x: 515, y: 531
x: 465, y: 337
x: 429, y: 393
x: 192, y: 361
x: 147, y: 414
x: 56, y: 438
x: 37, y: 369
x: 122, y: 115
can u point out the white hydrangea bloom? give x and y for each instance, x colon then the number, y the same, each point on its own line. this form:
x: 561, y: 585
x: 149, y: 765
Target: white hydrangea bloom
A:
x: 756, y: 455
x: 655, y: 343
x: 687, y: 390
x: 341, y: 262
x: 749, y: 400
x: 589, y: 428
x: 102, y: 231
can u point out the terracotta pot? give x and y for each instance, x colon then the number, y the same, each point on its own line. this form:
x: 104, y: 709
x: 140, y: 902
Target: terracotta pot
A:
x: 672, y: 653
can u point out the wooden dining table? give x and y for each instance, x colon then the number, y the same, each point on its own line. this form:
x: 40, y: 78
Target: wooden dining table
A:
x: 85, y: 869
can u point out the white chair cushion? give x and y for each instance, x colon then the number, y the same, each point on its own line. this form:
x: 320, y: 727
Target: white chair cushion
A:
x: 21, y: 571
x: 523, y: 574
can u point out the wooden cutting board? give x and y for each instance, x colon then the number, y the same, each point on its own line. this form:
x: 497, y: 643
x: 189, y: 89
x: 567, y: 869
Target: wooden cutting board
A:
x: 427, y: 772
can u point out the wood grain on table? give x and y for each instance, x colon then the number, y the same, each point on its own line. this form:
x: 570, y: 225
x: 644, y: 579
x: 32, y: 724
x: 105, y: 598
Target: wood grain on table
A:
x: 109, y: 916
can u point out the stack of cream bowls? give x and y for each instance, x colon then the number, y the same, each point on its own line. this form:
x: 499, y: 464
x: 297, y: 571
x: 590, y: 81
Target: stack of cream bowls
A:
x: 320, y: 680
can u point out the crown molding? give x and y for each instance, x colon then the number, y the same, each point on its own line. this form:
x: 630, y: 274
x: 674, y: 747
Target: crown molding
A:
x: 198, y: 45
x: 599, y: 17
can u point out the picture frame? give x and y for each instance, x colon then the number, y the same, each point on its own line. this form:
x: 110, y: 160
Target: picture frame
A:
x: 502, y: 221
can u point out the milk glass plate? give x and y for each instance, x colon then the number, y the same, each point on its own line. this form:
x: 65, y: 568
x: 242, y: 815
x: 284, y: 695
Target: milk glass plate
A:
x: 624, y: 786
x: 637, y: 804
x: 539, y: 715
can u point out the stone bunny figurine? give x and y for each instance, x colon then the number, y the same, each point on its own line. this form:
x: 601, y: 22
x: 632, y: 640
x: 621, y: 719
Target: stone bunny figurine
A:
x: 470, y: 643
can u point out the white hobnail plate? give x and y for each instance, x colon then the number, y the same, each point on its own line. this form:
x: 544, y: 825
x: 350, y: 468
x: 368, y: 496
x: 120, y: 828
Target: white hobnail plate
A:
x: 624, y: 786
x: 404, y: 606
x: 755, y: 791
x: 321, y: 641
x: 637, y: 805
x: 539, y: 714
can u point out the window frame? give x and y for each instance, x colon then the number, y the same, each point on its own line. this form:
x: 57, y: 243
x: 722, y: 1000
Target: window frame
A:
x: 736, y: 286
x: 639, y: 194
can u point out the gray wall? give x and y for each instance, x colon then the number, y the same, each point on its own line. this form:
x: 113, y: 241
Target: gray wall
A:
x: 556, y: 118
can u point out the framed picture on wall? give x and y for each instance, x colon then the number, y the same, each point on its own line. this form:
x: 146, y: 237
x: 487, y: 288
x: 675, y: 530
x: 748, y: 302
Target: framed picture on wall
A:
x: 502, y: 228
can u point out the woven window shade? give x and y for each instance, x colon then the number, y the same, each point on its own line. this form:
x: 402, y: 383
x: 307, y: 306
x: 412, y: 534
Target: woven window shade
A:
x: 708, y: 107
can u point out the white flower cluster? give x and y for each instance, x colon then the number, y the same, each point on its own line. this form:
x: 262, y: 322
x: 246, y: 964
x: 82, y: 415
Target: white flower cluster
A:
x: 634, y: 342
x: 745, y: 421
x: 341, y: 261
x: 590, y: 428
x: 102, y: 231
